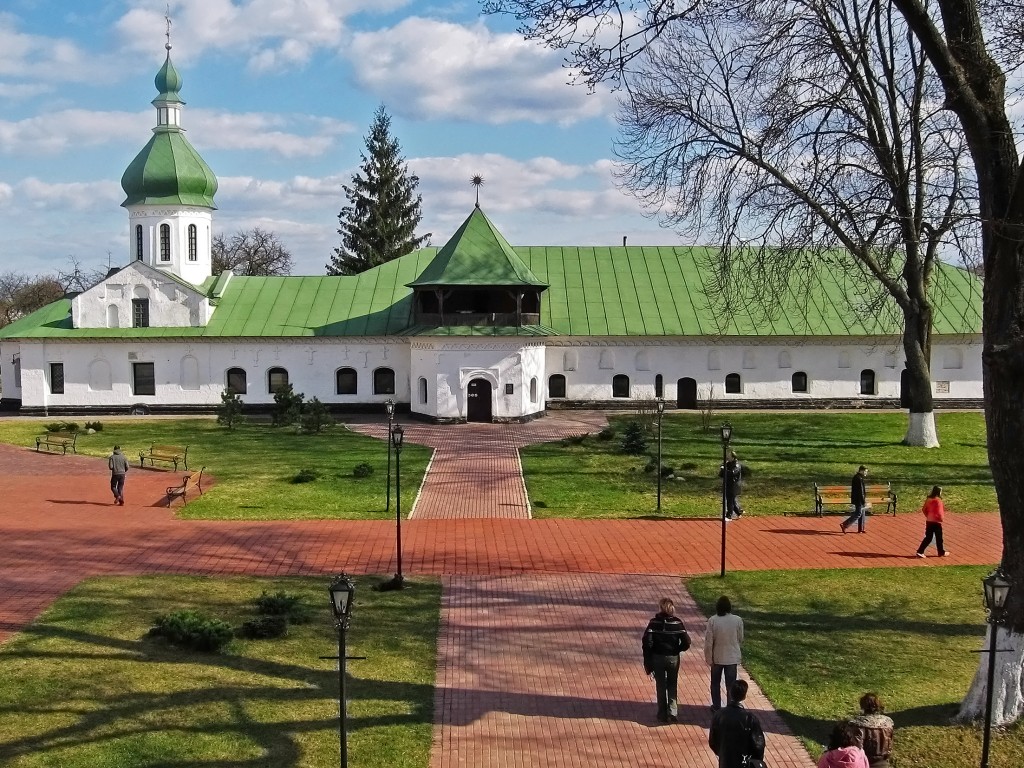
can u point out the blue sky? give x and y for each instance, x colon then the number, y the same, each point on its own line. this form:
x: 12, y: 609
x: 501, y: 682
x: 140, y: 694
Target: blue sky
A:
x: 279, y: 95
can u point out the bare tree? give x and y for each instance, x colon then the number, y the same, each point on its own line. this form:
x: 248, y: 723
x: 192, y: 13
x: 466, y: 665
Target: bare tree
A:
x: 971, y: 45
x: 252, y: 252
x: 22, y: 294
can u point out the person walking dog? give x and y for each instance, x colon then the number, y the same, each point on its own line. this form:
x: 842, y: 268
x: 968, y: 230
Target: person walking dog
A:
x: 663, y: 640
x: 118, y: 465
x: 934, y: 512
x: 858, y: 500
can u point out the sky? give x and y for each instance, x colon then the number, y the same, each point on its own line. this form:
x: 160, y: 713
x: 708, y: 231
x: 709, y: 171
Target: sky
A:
x: 279, y: 97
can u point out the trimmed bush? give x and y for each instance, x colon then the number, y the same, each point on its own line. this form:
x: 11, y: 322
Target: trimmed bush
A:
x: 283, y: 604
x: 608, y: 433
x: 305, y: 476
x: 264, y: 628
x: 62, y: 426
x: 362, y: 470
x: 95, y: 426
x: 193, y: 630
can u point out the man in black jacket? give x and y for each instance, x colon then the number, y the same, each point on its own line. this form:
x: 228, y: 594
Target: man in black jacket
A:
x: 664, y: 639
x: 858, y: 500
x: 735, y: 732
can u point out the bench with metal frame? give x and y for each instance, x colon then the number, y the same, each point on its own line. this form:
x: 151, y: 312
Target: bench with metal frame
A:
x: 62, y: 440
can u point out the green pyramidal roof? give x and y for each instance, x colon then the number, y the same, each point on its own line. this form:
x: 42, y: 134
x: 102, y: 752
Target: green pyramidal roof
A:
x: 477, y: 255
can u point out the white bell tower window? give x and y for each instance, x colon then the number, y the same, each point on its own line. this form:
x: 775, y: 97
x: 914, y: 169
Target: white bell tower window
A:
x: 165, y: 242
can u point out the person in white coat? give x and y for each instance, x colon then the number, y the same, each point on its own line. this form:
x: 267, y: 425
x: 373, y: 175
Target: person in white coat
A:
x: 723, y: 639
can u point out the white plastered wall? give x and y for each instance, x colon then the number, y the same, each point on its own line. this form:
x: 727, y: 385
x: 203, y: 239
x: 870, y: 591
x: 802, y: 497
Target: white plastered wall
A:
x: 178, y: 219
x: 109, y: 304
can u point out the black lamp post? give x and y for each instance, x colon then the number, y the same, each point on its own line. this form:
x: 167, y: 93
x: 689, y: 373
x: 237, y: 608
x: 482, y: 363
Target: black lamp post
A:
x: 389, y: 406
x: 726, y: 432
x: 398, y: 580
x: 997, y: 590
x: 661, y: 413
x: 342, y: 590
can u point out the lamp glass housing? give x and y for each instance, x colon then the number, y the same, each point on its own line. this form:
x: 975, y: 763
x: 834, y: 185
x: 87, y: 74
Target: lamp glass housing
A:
x: 726, y: 430
x: 997, y: 589
x: 398, y: 436
x: 341, y: 589
x: 389, y: 406
x: 661, y: 406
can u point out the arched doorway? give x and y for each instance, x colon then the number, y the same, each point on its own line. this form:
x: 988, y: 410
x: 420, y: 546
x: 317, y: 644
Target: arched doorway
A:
x: 905, y: 399
x: 686, y: 394
x: 478, y: 401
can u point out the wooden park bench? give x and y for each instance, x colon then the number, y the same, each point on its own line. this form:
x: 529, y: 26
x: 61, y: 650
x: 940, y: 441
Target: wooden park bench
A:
x: 877, y: 493
x: 193, y: 481
x: 62, y: 440
x: 172, y: 454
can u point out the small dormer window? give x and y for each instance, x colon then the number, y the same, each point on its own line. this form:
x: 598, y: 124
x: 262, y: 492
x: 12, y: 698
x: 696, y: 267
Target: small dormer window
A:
x: 193, y: 243
x: 165, y: 242
x: 138, y: 242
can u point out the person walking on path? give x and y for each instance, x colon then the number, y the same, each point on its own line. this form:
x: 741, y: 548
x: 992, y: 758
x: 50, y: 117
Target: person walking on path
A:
x: 844, y: 749
x: 722, y: 641
x: 736, y: 733
x: 876, y: 730
x: 858, y: 500
x: 663, y: 640
x: 118, y: 464
x: 732, y: 474
x: 934, y: 512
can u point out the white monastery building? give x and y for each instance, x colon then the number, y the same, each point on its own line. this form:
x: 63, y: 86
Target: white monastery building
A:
x: 475, y: 330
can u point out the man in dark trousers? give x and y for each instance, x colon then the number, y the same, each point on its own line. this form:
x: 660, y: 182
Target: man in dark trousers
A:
x: 735, y: 732
x: 118, y: 469
x: 858, y: 500
x: 664, y: 639
x: 733, y: 473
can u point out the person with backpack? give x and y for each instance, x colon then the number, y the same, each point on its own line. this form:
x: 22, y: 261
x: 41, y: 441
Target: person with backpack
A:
x: 663, y: 640
x: 736, y: 735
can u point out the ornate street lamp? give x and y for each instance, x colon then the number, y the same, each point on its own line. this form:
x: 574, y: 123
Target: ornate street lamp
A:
x: 661, y: 413
x: 997, y: 590
x: 389, y: 407
x: 397, y: 438
x: 342, y: 590
x: 726, y: 433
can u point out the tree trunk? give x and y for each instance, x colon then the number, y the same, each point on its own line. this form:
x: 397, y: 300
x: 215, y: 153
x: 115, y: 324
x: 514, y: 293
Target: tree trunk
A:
x: 1007, y: 696
x: 917, y: 347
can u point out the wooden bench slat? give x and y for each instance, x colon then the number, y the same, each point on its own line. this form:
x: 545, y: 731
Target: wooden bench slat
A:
x: 193, y: 480
x: 173, y: 454
x: 62, y: 439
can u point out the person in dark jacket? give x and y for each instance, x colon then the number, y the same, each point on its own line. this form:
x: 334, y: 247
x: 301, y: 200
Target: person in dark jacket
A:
x: 732, y: 472
x: 858, y: 500
x: 118, y: 465
x: 876, y: 730
x: 664, y: 639
x: 736, y: 732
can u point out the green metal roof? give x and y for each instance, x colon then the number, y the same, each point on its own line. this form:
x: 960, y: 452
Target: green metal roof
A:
x: 169, y: 170
x: 478, y: 330
x: 594, y: 291
x: 168, y: 82
x: 477, y: 255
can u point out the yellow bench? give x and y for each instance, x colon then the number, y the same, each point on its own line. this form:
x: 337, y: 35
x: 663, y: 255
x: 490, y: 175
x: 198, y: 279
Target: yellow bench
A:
x: 172, y: 454
x: 191, y: 481
x: 879, y: 493
x: 62, y: 440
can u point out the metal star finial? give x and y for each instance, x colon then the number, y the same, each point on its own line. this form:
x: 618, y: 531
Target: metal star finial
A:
x: 477, y: 181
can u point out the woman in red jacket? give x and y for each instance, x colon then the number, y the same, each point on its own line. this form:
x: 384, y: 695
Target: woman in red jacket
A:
x: 934, y: 511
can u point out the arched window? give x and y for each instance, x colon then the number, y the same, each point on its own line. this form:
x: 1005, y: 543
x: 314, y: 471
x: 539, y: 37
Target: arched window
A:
x: 732, y: 384
x: 556, y: 385
x: 138, y: 242
x: 383, y: 381
x: 867, y: 382
x: 237, y: 382
x: 799, y: 381
x: 659, y: 386
x: 193, y: 243
x: 422, y: 384
x: 189, y: 373
x: 165, y: 242
x: 533, y: 390
x: 620, y: 385
x: 113, y: 317
x: 277, y: 378
x: 346, y: 381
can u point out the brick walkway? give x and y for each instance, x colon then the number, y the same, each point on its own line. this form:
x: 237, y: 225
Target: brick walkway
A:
x: 475, y: 470
x: 501, y: 702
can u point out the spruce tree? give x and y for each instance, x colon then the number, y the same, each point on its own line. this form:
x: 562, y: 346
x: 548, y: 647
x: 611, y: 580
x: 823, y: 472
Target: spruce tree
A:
x: 379, y: 223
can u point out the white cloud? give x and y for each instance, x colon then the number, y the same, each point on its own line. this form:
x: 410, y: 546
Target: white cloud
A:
x: 274, y: 34
x: 77, y: 196
x: 435, y: 69
x: 42, y: 59
x: 59, y: 131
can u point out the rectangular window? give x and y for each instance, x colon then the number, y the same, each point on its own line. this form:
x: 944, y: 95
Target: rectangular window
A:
x: 143, y: 379
x: 56, y: 378
x: 193, y: 243
x: 140, y: 313
x: 138, y: 242
x: 165, y: 242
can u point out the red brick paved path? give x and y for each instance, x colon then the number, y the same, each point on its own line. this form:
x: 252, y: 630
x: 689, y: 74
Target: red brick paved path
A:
x: 475, y: 470
x: 57, y: 527
x: 545, y: 671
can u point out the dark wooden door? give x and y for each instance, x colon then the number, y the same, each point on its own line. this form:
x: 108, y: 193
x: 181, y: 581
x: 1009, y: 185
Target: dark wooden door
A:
x: 686, y: 394
x: 478, y: 401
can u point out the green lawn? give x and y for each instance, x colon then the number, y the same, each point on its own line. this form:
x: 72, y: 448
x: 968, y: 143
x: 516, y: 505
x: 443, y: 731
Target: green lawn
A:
x: 83, y: 688
x: 817, y: 640
x: 254, y: 465
x: 783, y: 454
